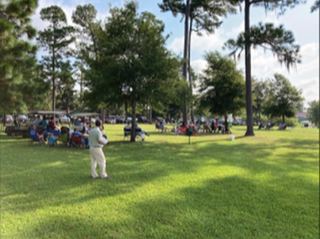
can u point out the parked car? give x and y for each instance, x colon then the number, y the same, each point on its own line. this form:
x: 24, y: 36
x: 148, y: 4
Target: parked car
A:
x: 142, y: 119
x: 236, y: 122
x: 120, y: 120
x: 159, y: 119
x: 63, y: 119
x: 8, y: 119
x: 110, y: 119
x: 93, y: 120
x: 23, y: 118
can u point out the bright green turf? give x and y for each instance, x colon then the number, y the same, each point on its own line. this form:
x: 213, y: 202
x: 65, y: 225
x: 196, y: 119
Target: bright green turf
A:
x: 265, y: 186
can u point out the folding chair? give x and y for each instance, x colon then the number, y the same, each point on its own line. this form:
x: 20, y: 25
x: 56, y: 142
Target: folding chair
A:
x: 76, y: 140
x: 34, y: 137
x: 127, y: 133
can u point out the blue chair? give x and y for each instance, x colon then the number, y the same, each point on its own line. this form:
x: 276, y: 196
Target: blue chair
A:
x: 33, y: 135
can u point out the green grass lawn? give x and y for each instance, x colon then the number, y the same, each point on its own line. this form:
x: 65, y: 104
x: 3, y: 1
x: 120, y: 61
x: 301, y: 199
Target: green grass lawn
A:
x: 265, y: 186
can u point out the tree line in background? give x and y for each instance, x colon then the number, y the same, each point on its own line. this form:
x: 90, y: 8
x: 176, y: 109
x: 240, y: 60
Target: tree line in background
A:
x: 123, y: 63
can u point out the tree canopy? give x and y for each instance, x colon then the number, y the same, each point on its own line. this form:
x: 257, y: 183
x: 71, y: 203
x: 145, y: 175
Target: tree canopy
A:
x: 55, y: 39
x: 222, y: 86
x: 246, y: 39
x: 18, y: 62
x: 283, y: 99
x: 313, y: 112
x: 133, y: 63
x: 200, y: 15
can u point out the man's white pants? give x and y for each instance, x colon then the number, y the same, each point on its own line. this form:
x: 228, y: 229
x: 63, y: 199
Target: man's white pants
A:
x: 97, y: 157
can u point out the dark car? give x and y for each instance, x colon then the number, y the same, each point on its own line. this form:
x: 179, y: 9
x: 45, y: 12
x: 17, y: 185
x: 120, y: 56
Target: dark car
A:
x: 159, y: 119
x: 120, y: 120
x: 110, y: 119
x: 142, y: 119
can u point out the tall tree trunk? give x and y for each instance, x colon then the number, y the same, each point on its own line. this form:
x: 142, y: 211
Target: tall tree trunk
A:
x: 81, y: 85
x: 248, y: 69
x: 185, y: 56
x: 68, y: 104
x: 133, y: 122
x: 103, y: 115
x: 150, y: 117
x: 53, y: 72
x: 225, y: 122
x: 283, y: 119
x: 53, y: 94
x: 126, y: 108
x: 189, y: 72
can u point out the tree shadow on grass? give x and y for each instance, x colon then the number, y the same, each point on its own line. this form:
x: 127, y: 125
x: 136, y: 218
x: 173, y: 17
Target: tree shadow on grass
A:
x: 35, y: 177
x: 228, y: 207
x: 234, y: 207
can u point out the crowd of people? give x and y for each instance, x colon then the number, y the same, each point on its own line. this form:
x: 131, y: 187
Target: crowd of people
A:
x: 44, y: 130
x: 214, y: 126
x: 269, y: 125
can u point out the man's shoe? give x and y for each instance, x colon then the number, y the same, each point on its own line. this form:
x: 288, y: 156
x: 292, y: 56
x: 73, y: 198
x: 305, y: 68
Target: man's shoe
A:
x: 108, y: 176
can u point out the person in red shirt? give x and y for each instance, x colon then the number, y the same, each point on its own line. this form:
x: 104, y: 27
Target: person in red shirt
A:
x: 52, y: 125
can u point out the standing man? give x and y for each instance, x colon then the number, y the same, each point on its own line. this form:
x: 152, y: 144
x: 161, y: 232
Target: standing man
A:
x: 96, y: 143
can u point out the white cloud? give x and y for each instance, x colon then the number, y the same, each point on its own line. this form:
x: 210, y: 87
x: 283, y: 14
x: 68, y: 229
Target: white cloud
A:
x: 176, y: 45
x: 198, y: 65
x: 264, y: 65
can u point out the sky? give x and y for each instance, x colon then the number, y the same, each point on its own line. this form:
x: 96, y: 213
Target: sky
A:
x: 299, y: 20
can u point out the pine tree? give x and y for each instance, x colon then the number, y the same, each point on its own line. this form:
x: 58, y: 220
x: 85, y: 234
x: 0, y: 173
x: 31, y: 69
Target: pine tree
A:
x: 16, y: 54
x: 200, y: 15
x: 55, y: 39
x: 259, y: 35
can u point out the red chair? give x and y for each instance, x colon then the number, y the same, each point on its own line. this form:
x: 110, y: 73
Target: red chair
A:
x: 76, y: 140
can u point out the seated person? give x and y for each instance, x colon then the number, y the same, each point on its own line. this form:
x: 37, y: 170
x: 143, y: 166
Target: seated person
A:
x: 261, y: 125
x: 35, y: 136
x: 84, y: 137
x: 269, y: 125
x: 64, y: 135
x: 213, y: 126
x: 37, y: 121
x: 206, y: 128
x: 127, y: 128
x: 140, y: 131
x: 51, y: 139
x: 44, y: 122
x: 227, y: 129
x: 162, y: 126
x: 193, y: 128
x: 77, y: 122
x: 181, y: 129
x: 282, y: 126
x: 52, y: 125
x: 157, y: 125
x: 197, y: 125
x: 220, y: 127
x: 77, y: 132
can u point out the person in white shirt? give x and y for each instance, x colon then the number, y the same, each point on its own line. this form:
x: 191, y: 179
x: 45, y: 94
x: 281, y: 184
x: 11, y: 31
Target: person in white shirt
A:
x: 96, y: 142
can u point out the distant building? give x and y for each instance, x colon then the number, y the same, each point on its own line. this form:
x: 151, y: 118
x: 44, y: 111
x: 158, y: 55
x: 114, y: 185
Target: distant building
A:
x: 301, y: 116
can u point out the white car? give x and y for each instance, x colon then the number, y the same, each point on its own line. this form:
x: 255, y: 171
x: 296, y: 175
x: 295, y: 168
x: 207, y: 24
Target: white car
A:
x: 64, y: 119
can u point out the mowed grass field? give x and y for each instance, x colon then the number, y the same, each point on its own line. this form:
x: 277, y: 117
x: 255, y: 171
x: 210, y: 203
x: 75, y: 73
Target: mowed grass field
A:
x: 266, y: 186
